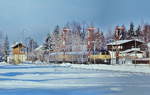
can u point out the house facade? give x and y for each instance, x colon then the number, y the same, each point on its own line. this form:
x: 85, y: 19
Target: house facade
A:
x: 18, y: 53
x: 126, y: 48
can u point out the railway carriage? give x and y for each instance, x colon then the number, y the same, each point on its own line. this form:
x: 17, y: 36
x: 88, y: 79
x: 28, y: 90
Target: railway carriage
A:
x: 101, y: 57
x: 71, y: 57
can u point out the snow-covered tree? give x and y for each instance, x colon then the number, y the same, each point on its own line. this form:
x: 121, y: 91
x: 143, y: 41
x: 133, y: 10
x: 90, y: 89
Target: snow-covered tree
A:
x: 56, y: 38
x: 56, y: 31
x: 5, y: 48
x: 32, y: 45
x: 99, y: 40
x: 139, y: 33
x: 109, y: 36
x: 103, y: 41
x: 48, y: 44
x: 131, y: 31
x: 83, y: 33
x: 135, y: 33
x: 146, y: 33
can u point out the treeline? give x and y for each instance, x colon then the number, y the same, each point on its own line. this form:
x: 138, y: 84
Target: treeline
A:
x: 74, y: 39
x: 138, y: 32
x: 77, y: 36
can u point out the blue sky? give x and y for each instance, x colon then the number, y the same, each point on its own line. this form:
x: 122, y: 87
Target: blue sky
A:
x: 38, y: 17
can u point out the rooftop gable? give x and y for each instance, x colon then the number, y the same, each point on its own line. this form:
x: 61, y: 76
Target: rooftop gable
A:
x: 18, y: 44
x: 119, y: 42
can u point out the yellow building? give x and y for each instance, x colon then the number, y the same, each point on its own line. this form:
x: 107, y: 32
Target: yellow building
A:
x: 19, y: 54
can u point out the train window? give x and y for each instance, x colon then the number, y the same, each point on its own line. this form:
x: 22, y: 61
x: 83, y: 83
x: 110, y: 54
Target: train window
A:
x: 105, y: 53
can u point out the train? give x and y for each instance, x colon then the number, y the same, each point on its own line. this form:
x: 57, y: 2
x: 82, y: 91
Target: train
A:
x: 101, y: 57
x: 70, y: 57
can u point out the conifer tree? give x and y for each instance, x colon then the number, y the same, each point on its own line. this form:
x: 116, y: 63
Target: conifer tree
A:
x: 131, y: 32
x: 48, y: 44
x: 56, y: 38
x: 6, y: 49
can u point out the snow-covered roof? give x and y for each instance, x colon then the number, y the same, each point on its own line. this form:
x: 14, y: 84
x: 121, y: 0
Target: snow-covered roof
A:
x: 72, y: 53
x: 132, y: 50
x: 17, y: 43
x: 39, y: 48
x: 56, y: 53
x: 148, y: 44
x: 78, y: 53
x: 119, y: 42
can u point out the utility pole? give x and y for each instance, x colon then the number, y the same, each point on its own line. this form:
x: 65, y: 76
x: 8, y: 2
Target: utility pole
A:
x: 94, y: 51
x: 82, y: 52
x: 149, y: 55
x: 116, y: 39
x: 118, y: 31
x: 135, y: 52
x: 32, y: 49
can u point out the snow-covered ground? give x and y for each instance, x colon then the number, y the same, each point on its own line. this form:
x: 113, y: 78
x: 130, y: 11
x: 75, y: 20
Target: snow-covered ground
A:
x: 64, y: 79
x: 140, y: 68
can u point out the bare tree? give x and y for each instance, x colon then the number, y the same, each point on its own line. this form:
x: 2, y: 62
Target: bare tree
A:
x: 31, y: 45
x: 146, y: 33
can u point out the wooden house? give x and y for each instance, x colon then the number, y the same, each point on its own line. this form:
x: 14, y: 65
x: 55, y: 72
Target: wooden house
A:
x: 126, y: 48
x: 18, y: 53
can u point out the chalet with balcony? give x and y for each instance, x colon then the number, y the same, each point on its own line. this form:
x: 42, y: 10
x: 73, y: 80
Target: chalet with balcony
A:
x: 19, y: 54
x: 126, y: 48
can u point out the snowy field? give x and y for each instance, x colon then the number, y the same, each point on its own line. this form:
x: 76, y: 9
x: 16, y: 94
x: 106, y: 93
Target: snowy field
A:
x: 44, y: 79
x: 134, y: 68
